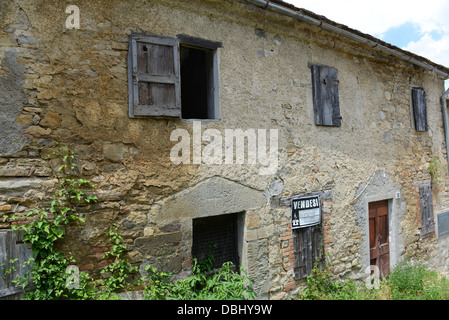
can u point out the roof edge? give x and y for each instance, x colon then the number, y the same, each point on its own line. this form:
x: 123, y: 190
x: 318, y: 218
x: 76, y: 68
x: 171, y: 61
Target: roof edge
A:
x: 288, y: 9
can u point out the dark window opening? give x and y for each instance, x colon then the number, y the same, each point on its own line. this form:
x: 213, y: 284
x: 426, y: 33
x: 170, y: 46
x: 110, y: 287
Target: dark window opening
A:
x: 216, y: 236
x: 172, y: 77
x: 196, y: 69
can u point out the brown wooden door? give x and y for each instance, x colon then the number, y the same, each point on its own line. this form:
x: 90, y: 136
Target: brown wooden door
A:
x: 379, y: 236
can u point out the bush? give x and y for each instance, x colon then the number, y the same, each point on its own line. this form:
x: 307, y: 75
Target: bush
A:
x: 321, y: 286
x: 414, y: 281
x: 408, y: 281
x: 224, y: 284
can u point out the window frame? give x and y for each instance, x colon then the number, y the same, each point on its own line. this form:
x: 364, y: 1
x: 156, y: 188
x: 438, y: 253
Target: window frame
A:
x: 136, y: 110
x: 237, y: 221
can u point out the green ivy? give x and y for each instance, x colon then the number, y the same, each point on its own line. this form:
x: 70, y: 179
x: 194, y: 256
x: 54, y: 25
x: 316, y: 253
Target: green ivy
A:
x: 46, y: 227
x: 51, y: 279
x: 119, y: 270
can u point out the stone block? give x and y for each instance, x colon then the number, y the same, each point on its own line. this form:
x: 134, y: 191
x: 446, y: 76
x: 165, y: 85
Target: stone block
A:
x: 170, y: 227
x: 14, y: 171
x: 115, y: 151
x: 37, y: 131
x: 252, y: 220
x: 21, y: 184
x: 279, y: 296
x: 32, y: 109
x: 5, y: 208
x: 160, y: 245
x: 22, y: 201
x: 51, y: 120
x: 24, y: 119
x: 215, y: 195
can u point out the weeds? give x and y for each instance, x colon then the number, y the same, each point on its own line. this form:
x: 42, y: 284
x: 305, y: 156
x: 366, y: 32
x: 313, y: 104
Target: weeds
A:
x: 321, y: 286
x: 414, y: 281
x: 408, y: 281
x: 223, y: 284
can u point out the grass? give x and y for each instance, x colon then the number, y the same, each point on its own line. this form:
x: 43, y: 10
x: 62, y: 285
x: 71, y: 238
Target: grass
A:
x: 408, y: 281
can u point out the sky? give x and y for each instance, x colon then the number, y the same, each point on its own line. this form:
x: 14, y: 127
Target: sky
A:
x: 421, y: 27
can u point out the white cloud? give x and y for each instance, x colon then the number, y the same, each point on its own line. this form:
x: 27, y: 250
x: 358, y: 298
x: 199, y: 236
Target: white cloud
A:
x: 376, y: 17
x: 435, y: 50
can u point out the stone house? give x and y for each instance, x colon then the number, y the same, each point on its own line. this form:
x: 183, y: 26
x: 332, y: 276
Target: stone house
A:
x: 158, y: 98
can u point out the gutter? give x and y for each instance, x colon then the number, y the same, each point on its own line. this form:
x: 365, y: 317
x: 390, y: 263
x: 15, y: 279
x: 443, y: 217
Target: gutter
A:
x: 326, y: 26
x: 445, y: 124
x: 401, y: 54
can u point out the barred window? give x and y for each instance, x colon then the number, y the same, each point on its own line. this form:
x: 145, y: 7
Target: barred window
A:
x: 216, y: 237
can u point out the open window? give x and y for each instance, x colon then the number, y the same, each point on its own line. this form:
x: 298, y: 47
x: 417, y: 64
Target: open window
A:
x: 172, y: 77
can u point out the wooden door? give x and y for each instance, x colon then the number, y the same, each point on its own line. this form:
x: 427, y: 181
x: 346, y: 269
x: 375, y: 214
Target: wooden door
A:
x: 379, y: 236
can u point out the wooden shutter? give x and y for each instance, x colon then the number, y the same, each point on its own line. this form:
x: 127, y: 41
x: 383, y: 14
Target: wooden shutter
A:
x: 426, y: 208
x: 153, y: 76
x: 11, y: 248
x: 419, y: 109
x: 326, y: 104
x: 308, y: 249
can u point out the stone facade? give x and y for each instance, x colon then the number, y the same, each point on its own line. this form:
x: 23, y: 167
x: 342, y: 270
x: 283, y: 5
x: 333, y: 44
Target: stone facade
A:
x: 64, y: 86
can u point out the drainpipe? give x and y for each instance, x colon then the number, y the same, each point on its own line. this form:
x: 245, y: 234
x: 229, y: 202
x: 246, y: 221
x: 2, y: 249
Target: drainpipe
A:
x: 445, y: 124
x: 302, y: 17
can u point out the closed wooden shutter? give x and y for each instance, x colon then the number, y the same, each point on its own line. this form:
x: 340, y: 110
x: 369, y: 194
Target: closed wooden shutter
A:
x: 426, y: 208
x: 153, y: 71
x: 419, y: 109
x: 308, y: 250
x: 13, y: 249
x: 326, y: 104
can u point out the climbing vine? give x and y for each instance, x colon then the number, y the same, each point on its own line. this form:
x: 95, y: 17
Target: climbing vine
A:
x: 44, y: 227
x: 54, y: 274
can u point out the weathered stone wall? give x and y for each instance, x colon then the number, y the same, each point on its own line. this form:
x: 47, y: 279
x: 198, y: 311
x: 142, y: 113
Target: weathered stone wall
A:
x: 61, y: 86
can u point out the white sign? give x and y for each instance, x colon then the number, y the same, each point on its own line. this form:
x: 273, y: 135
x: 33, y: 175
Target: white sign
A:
x: 306, y: 212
